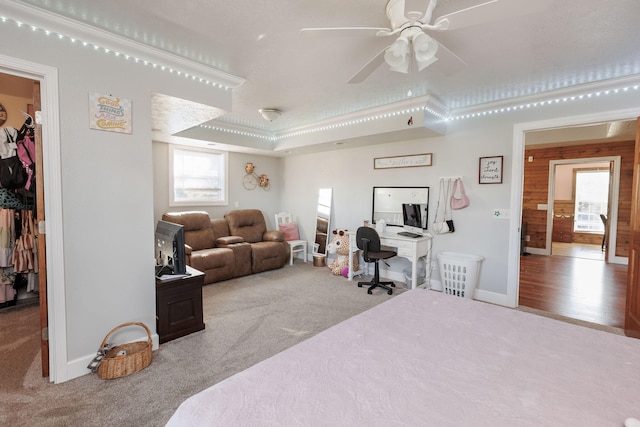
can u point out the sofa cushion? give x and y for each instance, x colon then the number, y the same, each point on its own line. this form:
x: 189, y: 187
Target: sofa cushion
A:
x: 197, y: 228
x: 220, y: 227
x: 268, y: 256
x: 247, y: 223
x: 216, y: 263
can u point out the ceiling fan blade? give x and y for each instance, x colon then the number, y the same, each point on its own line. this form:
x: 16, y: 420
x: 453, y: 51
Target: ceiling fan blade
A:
x: 343, y: 31
x: 490, y: 11
x: 368, y: 68
x: 448, y: 62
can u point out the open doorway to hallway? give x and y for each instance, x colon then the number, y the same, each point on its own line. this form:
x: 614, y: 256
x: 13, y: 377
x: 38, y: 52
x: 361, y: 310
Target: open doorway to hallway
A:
x: 565, y: 271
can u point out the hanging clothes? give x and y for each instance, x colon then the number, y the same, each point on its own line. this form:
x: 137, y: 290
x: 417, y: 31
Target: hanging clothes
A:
x: 7, y: 291
x: 23, y: 254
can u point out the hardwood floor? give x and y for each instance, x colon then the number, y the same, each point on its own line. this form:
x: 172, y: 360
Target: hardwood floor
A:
x: 575, y: 285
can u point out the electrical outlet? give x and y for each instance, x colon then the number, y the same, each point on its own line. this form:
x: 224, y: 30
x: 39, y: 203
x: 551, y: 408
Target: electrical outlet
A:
x: 527, y: 238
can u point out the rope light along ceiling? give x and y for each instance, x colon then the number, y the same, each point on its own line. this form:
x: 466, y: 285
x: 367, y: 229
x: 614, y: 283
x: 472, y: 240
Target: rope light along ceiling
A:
x: 209, y: 82
x: 115, y: 53
x: 502, y: 110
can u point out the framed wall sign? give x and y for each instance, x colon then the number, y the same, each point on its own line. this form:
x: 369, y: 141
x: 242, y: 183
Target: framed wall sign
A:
x: 109, y: 113
x: 490, y: 170
x: 411, y: 161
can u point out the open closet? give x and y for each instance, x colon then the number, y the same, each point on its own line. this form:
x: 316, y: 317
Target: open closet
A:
x: 18, y: 249
x: 22, y: 260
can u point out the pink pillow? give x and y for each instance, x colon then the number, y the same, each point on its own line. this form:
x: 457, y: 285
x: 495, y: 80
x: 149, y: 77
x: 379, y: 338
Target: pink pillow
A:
x: 290, y: 230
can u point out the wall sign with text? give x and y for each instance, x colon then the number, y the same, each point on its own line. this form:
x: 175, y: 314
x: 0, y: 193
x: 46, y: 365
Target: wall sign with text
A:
x: 109, y: 113
x: 411, y: 161
x: 490, y: 170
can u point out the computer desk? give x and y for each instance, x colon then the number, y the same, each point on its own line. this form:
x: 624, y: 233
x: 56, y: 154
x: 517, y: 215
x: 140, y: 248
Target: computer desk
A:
x: 407, y: 247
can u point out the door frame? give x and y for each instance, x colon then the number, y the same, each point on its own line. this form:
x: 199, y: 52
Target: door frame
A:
x: 517, y: 173
x: 614, y: 194
x: 51, y: 173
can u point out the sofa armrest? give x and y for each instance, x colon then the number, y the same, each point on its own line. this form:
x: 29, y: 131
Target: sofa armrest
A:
x: 228, y: 240
x: 273, y: 236
x: 187, y: 250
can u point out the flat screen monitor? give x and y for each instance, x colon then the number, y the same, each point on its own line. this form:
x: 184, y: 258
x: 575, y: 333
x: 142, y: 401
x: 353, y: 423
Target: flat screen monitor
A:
x: 412, y: 218
x: 169, y: 253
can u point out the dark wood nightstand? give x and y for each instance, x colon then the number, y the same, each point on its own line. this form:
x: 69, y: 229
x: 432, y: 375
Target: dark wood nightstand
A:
x: 179, y: 306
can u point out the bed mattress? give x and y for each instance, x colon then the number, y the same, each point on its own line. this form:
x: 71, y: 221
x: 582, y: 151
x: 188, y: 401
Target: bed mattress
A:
x: 428, y: 359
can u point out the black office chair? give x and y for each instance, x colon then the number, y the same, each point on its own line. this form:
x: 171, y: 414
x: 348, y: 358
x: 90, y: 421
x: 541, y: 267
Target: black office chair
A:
x: 367, y: 239
x: 603, y: 218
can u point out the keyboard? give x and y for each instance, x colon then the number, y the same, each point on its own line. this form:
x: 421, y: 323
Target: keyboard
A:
x: 409, y: 234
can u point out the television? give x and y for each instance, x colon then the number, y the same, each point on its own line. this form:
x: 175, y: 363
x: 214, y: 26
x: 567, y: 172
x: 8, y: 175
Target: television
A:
x: 169, y: 249
x: 412, y: 219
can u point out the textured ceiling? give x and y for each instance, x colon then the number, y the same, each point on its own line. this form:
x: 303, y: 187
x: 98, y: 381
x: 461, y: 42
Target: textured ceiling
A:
x: 569, y: 42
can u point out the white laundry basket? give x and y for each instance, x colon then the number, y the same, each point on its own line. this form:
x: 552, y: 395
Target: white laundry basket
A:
x: 459, y: 273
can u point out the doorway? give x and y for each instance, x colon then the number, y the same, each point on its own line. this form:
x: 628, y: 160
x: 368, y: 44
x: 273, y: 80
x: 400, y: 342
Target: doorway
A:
x: 567, y: 220
x: 22, y: 271
x: 51, y: 233
x: 580, y: 191
x: 519, y: 163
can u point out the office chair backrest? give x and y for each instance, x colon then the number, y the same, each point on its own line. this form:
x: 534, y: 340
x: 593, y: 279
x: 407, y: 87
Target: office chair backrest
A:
x: 369, y: 234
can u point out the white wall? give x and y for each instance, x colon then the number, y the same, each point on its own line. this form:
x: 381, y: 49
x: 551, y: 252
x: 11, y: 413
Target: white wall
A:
x: 107, y: 182
x: 351, y: 175
x: 239, y: 197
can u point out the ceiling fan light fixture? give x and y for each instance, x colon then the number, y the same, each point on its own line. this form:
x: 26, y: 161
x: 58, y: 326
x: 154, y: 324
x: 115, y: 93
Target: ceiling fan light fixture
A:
x: 397, y: 56
x: 425, y: 49
x: 270, y: 114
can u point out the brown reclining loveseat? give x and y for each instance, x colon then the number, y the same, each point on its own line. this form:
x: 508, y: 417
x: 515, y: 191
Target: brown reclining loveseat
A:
x: 235, y: 246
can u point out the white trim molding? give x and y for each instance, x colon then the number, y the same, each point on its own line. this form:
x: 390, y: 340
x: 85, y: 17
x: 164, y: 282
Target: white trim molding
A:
x: 48, y: 77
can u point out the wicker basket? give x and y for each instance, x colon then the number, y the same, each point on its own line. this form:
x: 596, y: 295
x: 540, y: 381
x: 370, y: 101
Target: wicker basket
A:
x: 137, y: 358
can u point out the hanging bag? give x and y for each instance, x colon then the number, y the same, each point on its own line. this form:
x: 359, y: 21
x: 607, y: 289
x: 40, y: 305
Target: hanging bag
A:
x: 461, y: 201
x: 27, y: 154
x: 12, y: 173
x: 443, y: 225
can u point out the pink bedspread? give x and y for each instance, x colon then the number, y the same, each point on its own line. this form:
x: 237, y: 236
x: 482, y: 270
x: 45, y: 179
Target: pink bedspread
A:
x: 427, y: 359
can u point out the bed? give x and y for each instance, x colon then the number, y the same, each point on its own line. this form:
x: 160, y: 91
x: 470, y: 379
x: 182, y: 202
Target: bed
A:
x: 427, y: 359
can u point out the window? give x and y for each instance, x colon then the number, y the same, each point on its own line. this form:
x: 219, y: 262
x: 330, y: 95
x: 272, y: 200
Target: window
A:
x: 592, y: 195
x: 197, y: 177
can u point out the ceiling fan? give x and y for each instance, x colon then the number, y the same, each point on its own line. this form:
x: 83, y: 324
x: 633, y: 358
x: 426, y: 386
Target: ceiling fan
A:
x: 411, y: 30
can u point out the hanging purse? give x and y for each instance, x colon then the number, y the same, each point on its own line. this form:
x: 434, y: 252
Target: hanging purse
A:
x: 459, y: 202
x: 12, y: 173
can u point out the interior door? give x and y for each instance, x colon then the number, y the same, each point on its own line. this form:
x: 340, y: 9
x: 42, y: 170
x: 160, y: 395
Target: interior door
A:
x: 632, y: 315
x: 42, y: 265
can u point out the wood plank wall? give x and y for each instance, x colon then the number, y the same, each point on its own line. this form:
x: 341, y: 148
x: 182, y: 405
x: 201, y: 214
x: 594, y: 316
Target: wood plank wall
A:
x: 536, y: 183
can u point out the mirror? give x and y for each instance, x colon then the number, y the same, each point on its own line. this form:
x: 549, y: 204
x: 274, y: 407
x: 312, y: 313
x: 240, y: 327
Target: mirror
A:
x: 387, y: 203
x: 322, y: 221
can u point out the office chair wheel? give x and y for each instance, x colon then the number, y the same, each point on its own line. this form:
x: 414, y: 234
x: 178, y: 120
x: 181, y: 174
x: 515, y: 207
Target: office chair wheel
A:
x: 369, y: 291
x: 359, y: 285
x: 390, y: 292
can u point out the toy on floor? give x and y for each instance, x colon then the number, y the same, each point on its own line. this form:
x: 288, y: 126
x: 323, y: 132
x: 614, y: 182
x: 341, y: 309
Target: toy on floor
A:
x: 340, y: 246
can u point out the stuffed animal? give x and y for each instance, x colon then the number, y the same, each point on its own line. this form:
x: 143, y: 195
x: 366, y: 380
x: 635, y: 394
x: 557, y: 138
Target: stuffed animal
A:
x: 340, y: 246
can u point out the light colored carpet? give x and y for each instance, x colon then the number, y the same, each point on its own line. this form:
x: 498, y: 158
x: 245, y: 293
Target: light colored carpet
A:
x: 247, y: 320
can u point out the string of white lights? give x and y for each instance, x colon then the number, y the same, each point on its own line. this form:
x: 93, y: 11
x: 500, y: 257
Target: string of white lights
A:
x: 273, y: 137
x: 487, y: 112
x: 239, y: 132
x: 115, y: 53
x: 552, y: 101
